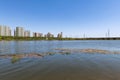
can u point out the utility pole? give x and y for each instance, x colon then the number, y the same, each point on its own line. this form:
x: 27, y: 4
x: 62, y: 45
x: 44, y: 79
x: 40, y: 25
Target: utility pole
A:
x: 108, y: 33
x: 84, y: 35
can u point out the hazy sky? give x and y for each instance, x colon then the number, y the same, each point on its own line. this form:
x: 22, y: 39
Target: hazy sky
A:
x: 72, y: 17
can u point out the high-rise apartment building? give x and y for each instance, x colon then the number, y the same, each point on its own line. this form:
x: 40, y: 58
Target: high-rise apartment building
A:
x: 40, y: 35
x: 48, y: 35
x: 5, y: 31
x: 35, y: 34
x: 27, y: 34
x: 19, y: 32
x: 60, y: 35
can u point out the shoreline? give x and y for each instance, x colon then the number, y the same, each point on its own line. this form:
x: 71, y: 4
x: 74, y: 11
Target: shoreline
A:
x: 11, y: 38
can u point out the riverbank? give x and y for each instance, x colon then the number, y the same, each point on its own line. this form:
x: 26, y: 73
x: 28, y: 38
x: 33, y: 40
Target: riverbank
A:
x: 9, y: 38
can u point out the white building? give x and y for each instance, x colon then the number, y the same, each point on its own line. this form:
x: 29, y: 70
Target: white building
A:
x: 27, y: 34
x: 48, y: 35
x: 19, y: 32
x: 35, y: 34
x: 5, y: 31
x: 60, y: 35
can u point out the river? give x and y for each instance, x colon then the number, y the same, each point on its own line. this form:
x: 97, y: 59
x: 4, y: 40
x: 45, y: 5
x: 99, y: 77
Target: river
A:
x: 73, y: 66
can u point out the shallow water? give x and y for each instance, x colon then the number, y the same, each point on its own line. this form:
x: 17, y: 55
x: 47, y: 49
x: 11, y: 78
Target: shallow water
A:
x: 73, y: 66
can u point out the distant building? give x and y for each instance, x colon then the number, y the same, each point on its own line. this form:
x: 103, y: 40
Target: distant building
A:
x: 5, y: 31
x: 14, y: 32
x: 49, y: 35
x: 40, y: 35
x: 35, y: 34
x: 19, y: 32
x: 60, y: 35
x: 45, y: 35
x: 26, y: 33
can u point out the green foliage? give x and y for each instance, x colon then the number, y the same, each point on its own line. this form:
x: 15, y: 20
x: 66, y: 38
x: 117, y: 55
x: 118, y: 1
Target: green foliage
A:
x: 9, y: 38
x: 15, y: 59
x: 0, y: 38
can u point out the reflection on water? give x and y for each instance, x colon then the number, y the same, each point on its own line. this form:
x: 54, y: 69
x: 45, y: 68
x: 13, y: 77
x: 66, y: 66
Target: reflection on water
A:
x: 39, y: 60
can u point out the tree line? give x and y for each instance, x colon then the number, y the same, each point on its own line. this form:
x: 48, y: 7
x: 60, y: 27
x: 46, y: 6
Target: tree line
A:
x: 9, y: 38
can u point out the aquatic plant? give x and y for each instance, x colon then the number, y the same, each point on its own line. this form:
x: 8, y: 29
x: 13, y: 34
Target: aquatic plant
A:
x: 61, y: 50
x: 50, y: 53
x: 15, y: 59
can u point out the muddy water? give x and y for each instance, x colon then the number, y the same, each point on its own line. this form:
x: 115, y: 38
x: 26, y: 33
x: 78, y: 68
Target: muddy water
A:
x: 72, y: 66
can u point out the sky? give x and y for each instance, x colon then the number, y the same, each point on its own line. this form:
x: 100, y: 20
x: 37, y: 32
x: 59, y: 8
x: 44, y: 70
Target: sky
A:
x: 75, y: 18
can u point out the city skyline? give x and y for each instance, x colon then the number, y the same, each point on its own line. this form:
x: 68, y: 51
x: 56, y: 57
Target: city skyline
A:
x: 22, y: 32
x: 75, y: 18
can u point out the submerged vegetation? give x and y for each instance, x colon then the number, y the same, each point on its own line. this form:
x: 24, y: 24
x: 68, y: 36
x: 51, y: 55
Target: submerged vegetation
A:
x: 16, y: 57
x: 64, y: 50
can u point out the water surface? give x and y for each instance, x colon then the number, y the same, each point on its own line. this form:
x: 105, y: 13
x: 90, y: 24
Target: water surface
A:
x: 73, y: 66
